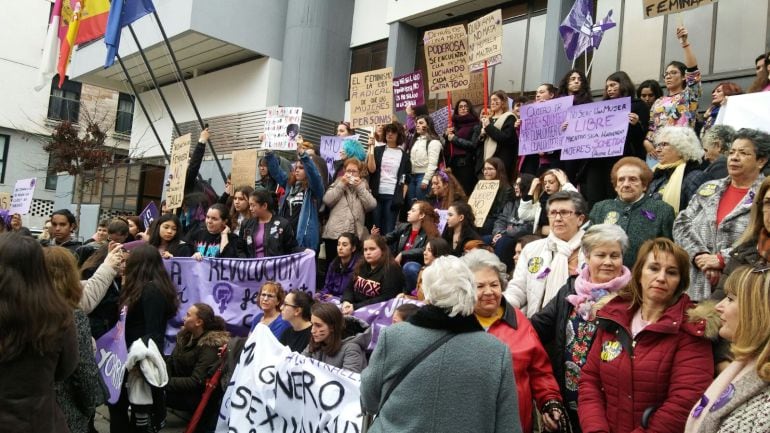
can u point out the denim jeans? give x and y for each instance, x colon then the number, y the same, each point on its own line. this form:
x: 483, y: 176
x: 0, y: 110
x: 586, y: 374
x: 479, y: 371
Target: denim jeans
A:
x: 383, y: 216
x: 415, y: 192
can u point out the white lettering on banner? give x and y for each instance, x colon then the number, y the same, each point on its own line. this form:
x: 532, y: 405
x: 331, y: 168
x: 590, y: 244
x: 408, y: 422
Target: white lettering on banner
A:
x: 112, y: 366
x: 281, y: 391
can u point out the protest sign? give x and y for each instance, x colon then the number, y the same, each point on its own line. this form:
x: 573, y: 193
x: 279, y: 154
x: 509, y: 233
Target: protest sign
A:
x: 231, y: 286
x: 446, y: 54
x: 149, y: 214
x: 5, y: 200
x: 111, y: 356
x: 244, y: 169
x: 330, y: 150
x: 474, y: 92
x: 746, y: 111
x: 654, y: 8
x: 541, y: 125
x: 440, y: 120
x: 442, y: 217
x: 482, y: 198
x: 177, y: 171
x: 275, y: 390
x: 596, y: 130
x: 380, y: 315
x: 485, y: 40
x: 282, y: 128
x: 371, y: 98
x: 22, y: 196
x: 407, y: 90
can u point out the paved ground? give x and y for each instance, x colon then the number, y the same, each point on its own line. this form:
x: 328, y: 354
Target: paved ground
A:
x: 175, y: 421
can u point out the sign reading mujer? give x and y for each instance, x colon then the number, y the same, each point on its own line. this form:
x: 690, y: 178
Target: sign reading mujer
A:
x: 231, y: 286
x: 275, y: 390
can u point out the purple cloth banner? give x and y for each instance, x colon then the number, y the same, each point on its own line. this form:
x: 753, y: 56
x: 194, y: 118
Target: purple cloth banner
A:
x: 440, y: 120
x: 330, y: 150
x: 231, y: 286
x: 149, y: 214
x: 541, y: 125
x: 408, y: 90
x: 380, y: 315
x: 111, y: 356
x: 596, y: 130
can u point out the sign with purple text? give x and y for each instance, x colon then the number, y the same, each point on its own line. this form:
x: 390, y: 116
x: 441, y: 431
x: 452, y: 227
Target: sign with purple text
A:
x: 407, y: 90
x: 149, y: 214
x: 440, y: 120
x: 111, y: 356
x: 231, y: 286
x: 541, y: 125
x: 330, y: 150
x: 22, y: 196
x: 282, y: 128
x: 380, y: 315
x: 596, y: 130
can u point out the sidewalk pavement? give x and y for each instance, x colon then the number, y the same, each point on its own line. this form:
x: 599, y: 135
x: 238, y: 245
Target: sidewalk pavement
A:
x: 176, y: 422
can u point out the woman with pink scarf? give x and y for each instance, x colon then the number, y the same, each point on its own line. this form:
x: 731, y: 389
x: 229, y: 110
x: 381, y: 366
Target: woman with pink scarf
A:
x: 566, y: 324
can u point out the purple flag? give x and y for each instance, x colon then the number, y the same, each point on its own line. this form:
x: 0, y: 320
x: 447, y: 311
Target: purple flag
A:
x: 149, y: 214
x: 111, y: 355
x: 578, y: 30
x: 380, y: 315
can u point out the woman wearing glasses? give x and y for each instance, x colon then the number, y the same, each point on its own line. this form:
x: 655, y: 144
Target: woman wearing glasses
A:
x: 271, y: 297
x: 719, y: 213
x: 677, y: 176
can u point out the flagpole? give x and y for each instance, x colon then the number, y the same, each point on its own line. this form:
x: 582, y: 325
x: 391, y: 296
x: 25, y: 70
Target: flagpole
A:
x: 187, y: 90
x: 144, y: 109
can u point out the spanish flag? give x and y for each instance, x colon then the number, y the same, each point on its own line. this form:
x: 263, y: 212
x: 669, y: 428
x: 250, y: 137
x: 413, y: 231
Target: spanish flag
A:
x: 68, y: 42
x: 93, y: 20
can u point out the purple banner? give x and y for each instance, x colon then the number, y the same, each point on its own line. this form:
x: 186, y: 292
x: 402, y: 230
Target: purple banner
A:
x: 596, y: 130
x: 380, y: 315
x: 440, y: 120
x: 149, y: 214
x: 231, y: 286
x: 111, y: 356
x: 541, y: 125
x: 330, y: 150
x: 408, y: 90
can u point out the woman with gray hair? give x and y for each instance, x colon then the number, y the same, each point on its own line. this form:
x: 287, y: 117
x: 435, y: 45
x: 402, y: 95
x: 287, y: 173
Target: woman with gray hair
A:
x: 466, y: 381
x: 566, y: 325
x: 534, y: 376
x: 716, y: 142
x: 677, y: 175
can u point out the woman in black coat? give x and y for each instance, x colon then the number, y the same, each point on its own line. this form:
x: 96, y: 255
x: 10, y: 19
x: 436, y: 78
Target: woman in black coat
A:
x: 267, y: 234
x: 461, y: 141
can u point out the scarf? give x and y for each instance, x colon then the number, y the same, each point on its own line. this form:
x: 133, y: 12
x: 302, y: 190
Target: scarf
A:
x: 490, y: 145
x: 558, y: 271
x: 464, y: 129
x: 672, y: 191
x: 587, y: 293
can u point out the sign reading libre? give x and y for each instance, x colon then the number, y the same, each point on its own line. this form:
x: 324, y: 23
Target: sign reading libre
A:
x: 485, y: 41
x: 446, y: 53
x: 596, y: 130
x: 371, y: 98
x: 482, y: 198
x: 654, y: 8
x: 180, y: 158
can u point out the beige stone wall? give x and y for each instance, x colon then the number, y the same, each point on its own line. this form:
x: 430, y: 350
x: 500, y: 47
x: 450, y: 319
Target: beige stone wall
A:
x: 101, y: 106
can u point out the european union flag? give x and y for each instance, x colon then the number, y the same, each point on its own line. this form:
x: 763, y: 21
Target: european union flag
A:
x: 122, y: 13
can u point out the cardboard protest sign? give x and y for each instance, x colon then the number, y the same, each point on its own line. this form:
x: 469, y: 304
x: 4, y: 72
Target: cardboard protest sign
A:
x: 440, y: 120
x: 371, y: 98
x: 282, y: 128
x: 149, y: 214
x: 231, y: 286
x: 541, y: 125
x: 22, y: 196
x: 746, y: 111
x: 485, y: 41
x: 654, y: 8
x: 380, y: 315
x: 482, y: 198
x: 5, y: 200
x: 474, y: 92
x: 273, y: 389
x: 111, y: 355
x: 177, y: 172
x: 596, y: 130
x: 244, y: 169
x: 330, y: 149
x: 408, y: 90
x: 446, y: 54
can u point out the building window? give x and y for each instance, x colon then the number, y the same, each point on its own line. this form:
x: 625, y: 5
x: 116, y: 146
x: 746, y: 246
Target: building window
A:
x: 125, y: 115
x: 369, y: 57
x: 64, y: 103
x: 51, y: 178
x: 4, y: 139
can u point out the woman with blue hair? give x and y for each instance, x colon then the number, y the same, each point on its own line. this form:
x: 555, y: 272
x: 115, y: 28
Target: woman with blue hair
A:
x: 350, y: 149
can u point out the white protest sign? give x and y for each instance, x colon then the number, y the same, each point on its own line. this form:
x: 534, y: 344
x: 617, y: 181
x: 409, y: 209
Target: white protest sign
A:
x: 485, y: 41
x: 282, y: 128
x: 751, y: 110
x: 22, y: 196
x: 330, y: 149
x: 482, y: 198
x: 275, y: 390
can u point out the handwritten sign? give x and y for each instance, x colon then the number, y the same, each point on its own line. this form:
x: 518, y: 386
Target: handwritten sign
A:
x: 446, y: 53
x: 330, y: 149
x: 371, y: 98
x: 282, y: 128
x: 485, y: 40
x: 482, y: 198
x: 407, y: 90
x: 244, y: 170
x: 541, y: 125
x: 22, y: 196
x: 180, y: 158
x: 5, y: 201
x: 596, y: 130
x: 747, y: 111
x: 654, y: 8
x: 474, y: 92
x: 440, y: 120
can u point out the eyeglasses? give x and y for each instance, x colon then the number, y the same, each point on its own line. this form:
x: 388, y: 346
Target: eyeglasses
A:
x: 290, y: 305
x: 351, y: 171
x: 662, y: 144
x: 266, y: 295
x: 564, y: 213
x: 670, y: 73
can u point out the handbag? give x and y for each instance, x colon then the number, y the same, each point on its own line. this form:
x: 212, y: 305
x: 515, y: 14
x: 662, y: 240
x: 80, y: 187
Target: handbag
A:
x: 369, y: 417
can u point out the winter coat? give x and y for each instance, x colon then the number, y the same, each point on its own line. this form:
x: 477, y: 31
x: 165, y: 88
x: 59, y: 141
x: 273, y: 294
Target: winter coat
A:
x: 468, y: 234
x: 72, y: 245
x: 504, y: 195
x: 398, y: 238
x: 691, y: 182
x: 747, y: 410
x: 27, y: 398
x: 716, y: 169
x: 646, y: 218
x: 192, y: 360
x: 350, y: 356
x: 530, y: 210
x: 695, y: 229
x: 96, y: 287
x: 534, y: 376
x: 665, y: 369
x: 448, y: 391
x: 508, y: 221
x: 339, y: 277
x: 349, y: 205
x: 278, y: 237
x: 371, y: 286
x: 507, y: 143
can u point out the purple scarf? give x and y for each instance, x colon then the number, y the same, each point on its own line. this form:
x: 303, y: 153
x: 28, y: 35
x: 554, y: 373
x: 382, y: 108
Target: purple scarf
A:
x: 587, y: 293
x: 464, y: 129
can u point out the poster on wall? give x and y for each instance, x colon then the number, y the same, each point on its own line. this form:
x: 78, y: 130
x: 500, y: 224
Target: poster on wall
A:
x: 371, y: 98
x: 446, y: 54
x: 485, y: 41
x: 282, y: 128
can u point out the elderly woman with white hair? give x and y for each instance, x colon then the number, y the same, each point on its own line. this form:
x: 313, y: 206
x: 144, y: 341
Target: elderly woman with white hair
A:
x: 677, y: 175
x: 719, y: 213
x: 440, y: 371
x: 534, y: 376
x: 566, y: 326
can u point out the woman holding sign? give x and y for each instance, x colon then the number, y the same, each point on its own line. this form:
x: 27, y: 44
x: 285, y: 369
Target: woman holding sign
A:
x: 498, y: 133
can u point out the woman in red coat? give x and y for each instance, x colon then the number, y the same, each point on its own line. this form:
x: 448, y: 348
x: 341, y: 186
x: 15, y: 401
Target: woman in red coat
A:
x: 650, y: 360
